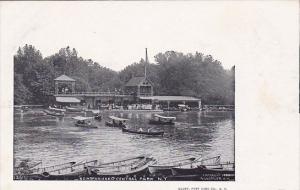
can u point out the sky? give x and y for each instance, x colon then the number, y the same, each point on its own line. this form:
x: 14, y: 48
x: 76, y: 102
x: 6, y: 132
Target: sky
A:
x: 115, y: 34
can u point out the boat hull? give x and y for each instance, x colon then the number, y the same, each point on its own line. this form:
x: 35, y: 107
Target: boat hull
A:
x: 41, y: 173
x: 202, y: 172
x: 137, y: 168
x: 65, y: 176
x: 160, y: 170
x: 165, y: 170
x: 74, y: 110
x: 138, y: 173
x: 28, y: 177
x: 207, y: 177
x: 160, y: 133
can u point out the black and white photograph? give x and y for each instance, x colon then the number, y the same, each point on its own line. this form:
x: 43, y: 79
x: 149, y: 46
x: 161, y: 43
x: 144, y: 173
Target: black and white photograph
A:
x: 168, y: 120
x: 125, y: 102
x: 146, y: 92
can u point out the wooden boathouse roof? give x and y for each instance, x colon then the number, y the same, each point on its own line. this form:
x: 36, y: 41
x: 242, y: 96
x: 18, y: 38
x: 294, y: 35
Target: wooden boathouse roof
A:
x: 137, y: 81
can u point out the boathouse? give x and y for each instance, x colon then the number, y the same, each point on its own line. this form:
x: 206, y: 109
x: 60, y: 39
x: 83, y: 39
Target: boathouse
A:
x: 139, y: 87
x: 138, y: 90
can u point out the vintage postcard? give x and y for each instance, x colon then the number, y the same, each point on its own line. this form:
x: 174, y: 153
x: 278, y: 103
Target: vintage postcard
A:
x: 133, y: 95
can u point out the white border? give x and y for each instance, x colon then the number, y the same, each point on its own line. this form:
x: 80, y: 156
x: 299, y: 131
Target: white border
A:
x: 267, y: 99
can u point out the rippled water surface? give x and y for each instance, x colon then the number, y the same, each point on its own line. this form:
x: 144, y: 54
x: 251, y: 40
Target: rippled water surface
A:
x: 54, y: 140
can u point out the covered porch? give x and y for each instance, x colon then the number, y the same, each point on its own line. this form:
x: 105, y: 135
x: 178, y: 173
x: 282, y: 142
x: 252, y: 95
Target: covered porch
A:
x: 173, y: 101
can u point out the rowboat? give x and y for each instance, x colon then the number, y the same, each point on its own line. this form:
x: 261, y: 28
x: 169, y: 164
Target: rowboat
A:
x: 84, y: 122
x: 203, y: 166
x: 72, y: 109
x: 25, y: 167
x: 53, y: 113
x: 116, y: 122
x: 135, y: 166
x: 37, y: 173
x: 164, y: 169
x: 141, y: 132
x: 162, y: 120
x: 205, y: 173
x: 72, y: 172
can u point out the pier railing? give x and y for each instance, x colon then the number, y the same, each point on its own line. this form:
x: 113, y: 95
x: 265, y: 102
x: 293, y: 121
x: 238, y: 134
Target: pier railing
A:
x: 91, y: 93
x: 99, y: 94
x: 219, y: 107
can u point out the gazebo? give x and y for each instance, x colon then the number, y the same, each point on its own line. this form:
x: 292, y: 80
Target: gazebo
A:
x: 64, y: 85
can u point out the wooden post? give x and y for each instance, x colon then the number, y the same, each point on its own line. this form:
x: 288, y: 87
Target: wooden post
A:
x: 73, y: 87
x: 56, y: 87
x: 138, y: 91
x: 151, y: 90
x: 94, y: 102
x: 199, y: 105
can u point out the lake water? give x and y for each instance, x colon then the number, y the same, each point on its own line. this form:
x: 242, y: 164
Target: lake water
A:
x: 54, y: 140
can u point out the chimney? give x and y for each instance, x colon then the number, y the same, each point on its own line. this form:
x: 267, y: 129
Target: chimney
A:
x: 146, y: 61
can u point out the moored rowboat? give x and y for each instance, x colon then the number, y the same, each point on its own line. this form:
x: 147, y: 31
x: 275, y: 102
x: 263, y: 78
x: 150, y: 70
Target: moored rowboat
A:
x: 37, y: 173
x: 164, y: 169
x: 136, y: 166
x: 206, y: 166
x: 74, y: 171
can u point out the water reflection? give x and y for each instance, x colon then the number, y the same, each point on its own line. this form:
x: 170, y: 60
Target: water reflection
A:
x: 56, y: 140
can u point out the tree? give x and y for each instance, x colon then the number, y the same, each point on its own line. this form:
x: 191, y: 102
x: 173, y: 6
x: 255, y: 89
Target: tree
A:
x: 21, y: 93
x: 30, y: 75
x: 194, y: 75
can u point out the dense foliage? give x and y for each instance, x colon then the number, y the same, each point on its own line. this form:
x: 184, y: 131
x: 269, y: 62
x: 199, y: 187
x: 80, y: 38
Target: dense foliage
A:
x: 173, y: 73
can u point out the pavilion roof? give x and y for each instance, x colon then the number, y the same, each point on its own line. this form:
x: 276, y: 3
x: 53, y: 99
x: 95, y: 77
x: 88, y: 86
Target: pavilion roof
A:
x: 171, y: 98
x: 64, y: 78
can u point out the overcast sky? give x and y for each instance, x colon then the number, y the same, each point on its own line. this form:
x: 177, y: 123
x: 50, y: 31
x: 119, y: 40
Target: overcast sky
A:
x: 115, y: 34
